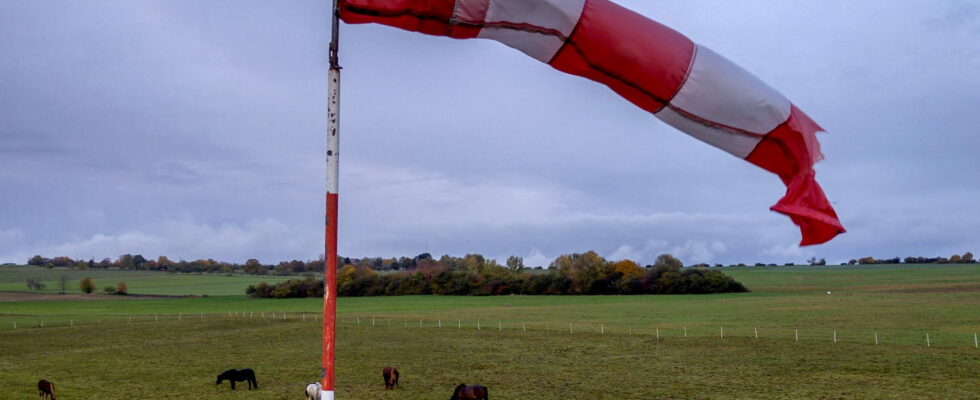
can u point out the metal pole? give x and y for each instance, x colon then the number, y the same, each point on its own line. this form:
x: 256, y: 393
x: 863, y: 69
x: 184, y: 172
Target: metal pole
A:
x: 330, y: 243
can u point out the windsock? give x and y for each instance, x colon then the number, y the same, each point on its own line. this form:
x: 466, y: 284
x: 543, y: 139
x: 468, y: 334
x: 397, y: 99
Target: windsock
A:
x: 686, y: 85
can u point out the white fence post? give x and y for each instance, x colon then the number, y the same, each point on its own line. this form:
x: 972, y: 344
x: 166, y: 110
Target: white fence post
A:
x: 440, y: 323
x: 72, y: 322
x: 372, y: 321
x: 156, y: 317
x: 602, y: 329
x: 835, y: 336
x: 927, y: 340
x: 477, y: 324
x: 756, y: 333
x: 722, y: 334
x: 975, y: 344
x: 524, y: 325
x: 459, y: 324
x: 15, y: 324
x: 876, y: 337
x: 797, y: 335
x: 685, y: 331
x: 500, y: 328
x: 658, y: 333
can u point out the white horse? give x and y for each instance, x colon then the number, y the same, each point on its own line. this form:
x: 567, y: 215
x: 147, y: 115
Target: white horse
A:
x: 313, y: 391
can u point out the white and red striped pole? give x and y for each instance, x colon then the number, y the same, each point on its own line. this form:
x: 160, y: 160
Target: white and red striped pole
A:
x: 330, y: 239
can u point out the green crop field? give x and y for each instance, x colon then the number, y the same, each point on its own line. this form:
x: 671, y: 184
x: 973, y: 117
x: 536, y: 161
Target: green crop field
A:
x: 138, y: 282
x: 526, y: 347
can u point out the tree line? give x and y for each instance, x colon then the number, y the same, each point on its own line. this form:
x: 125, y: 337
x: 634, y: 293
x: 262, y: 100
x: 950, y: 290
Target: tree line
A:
x: 572, y: 274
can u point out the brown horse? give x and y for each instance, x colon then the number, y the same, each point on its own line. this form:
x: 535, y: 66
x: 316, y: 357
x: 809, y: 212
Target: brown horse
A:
x: 45, y: 390
x: 238, y: 375
x: 474, y: 392
x: 391, y: 377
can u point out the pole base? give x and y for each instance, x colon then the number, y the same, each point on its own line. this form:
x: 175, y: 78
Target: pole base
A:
x: 326, y: 394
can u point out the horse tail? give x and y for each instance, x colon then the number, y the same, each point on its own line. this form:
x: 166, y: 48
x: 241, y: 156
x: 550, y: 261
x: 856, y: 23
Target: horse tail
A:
x: 53, y: 396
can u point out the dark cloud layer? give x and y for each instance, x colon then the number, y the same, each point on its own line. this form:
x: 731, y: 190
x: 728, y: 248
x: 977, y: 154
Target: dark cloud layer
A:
x: 196, y: 129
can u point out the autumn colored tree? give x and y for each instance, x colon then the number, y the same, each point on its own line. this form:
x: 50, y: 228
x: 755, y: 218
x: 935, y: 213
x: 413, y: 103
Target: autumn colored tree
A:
x: 121, y: 288
x: 86, y: 285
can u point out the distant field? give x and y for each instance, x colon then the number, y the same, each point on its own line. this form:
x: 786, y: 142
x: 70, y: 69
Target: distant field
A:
x: 139, y: 282
x: 576, y: 347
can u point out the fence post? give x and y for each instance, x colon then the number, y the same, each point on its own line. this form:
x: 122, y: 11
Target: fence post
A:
x: 72, y: 322
x: 835, y: 336
x: 797, y: 335
x: 631, y: 330
x: 876, y: 337
x: 440, y: 324
x: 524, y: 325
x: 15, y: 324
x: 304, y: 317
x: 500, y: 328
x: 570, y: 328
x: 180, y: 316
x: 975, y: 344
x: 658, y: 333
x: 358, y: 320
x: 927, y: 340
x: 459, y: 324
x: 372, y: 321
x: 406, y: 323
x: 420, y: 323
x: 685, y: 331
x: 602, y: 329
x: 722, y: 335
x: 477, y: 324
x: 756, y: 332
x: 156, y: 317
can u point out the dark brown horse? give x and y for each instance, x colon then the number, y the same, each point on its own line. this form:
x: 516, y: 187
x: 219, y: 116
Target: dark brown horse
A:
x: 45, y: 390
x: 238, y: 375
x: 473, y: 392
x: 391, y: 377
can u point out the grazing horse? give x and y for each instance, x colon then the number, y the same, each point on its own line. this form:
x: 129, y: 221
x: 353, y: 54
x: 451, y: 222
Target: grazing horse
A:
x: 474, y: 392
x: 45, y: 389
x: 391, y: 377
x: 313, y: 391
x: 238, y: 375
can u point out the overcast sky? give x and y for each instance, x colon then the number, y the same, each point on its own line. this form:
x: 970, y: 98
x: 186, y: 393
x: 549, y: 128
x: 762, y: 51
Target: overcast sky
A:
x: 196, y: 129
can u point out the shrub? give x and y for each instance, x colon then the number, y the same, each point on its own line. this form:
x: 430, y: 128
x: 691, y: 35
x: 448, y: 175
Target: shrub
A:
x: 35, y: 284
x: 86, y: 285
x: 121, y: 288
x: 109, y: 290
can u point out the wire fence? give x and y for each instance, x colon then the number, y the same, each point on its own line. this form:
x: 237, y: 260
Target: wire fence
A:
x: 674, y: 331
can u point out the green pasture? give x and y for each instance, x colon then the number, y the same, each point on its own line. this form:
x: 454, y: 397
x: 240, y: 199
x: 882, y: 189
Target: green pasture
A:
x: 179, y: 360
x: 522, y: 347
x: 138, y: 282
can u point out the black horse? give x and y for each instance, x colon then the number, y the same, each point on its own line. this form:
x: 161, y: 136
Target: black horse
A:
x: 238, y: 375
x: 473, y: 392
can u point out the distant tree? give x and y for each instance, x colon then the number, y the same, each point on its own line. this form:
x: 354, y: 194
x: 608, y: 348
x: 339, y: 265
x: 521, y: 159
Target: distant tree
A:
x: 35, y: 284
x: 668, y: 260
x: 86, y: 285
x: 81, y: 265
x: 628, y: 269
x: 63, y: 284
x: 515, y: 263
x: 967, y: 258
x: 955, y: 258
x: 126, y: 262
x: 121, y: 288
x: 62, y: 261
x: 37, y: 261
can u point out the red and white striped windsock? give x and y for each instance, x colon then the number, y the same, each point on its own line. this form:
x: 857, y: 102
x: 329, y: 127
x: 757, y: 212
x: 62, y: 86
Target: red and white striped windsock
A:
x: 656, y: 68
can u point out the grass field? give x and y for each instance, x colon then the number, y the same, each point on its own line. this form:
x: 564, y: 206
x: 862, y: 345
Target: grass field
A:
x: 141, y: 282
x: 611, y: 352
